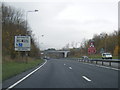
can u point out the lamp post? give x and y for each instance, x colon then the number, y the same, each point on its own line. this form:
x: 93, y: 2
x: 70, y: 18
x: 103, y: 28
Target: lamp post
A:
x: 105, y: 43
x: 27, y: 28
x: 38, y: 40
x: 27, y: 16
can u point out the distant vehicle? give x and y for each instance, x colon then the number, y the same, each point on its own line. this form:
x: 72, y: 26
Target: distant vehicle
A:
x: 45, y: 57
x: 106, y: 56
x: 85, y: 57
x: 48, y: 58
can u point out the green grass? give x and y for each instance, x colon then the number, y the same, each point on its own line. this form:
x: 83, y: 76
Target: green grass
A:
x: 10, y: 69
x: 95, y: 56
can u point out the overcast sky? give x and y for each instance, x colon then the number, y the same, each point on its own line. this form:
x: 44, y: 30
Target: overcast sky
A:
x: 66, y: 21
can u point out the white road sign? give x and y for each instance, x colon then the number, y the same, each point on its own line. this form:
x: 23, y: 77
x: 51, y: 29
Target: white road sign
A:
x: 22, y: 43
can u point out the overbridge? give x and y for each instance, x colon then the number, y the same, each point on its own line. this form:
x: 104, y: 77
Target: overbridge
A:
x: 57, y: 52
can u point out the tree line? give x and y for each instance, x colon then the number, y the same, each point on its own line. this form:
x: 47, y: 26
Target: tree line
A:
x: 14, y: 24
x: 103, y: 42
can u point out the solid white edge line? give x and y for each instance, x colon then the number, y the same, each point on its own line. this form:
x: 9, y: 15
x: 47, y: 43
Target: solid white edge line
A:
x: 86, y: 78
x: 25, y: 76
x: 103, y: 66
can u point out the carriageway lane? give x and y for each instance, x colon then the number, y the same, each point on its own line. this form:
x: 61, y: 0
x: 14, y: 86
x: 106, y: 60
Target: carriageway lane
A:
x: 60, y: 73
x: 101, y: 77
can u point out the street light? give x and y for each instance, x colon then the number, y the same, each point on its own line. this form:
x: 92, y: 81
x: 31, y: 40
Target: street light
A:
x: 33, y: 11
x: 26, y: 28
x: 27, y: 16
x: 38, y: 40
x: 105, y: 44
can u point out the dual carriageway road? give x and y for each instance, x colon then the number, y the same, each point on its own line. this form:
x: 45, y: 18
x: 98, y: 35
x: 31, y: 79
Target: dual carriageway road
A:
x: 61, y: 73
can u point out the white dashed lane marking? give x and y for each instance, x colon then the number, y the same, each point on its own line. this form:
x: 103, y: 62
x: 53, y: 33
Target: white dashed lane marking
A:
x: 70, y: 67
x: 86, y: 78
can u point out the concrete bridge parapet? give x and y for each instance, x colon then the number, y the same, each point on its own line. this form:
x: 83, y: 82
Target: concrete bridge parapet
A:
x: 56, y: 51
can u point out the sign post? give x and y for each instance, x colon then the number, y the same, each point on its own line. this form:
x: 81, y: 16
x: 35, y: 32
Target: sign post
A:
x: 23, y: 43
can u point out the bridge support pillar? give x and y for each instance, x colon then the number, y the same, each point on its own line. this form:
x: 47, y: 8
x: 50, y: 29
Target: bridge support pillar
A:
x: 65, y: 54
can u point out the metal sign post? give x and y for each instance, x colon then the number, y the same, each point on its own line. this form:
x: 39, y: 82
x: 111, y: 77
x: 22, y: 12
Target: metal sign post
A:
x: 26, y: 54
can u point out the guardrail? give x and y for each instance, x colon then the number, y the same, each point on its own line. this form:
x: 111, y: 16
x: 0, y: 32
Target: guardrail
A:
x: 109, y: 62
x: 99, y: 60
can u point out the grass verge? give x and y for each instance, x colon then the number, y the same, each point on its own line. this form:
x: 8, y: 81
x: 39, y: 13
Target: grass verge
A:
x: 10, y: 69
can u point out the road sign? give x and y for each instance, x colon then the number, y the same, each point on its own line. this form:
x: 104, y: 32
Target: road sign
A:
x: 102, y: 50
x: 91, y: 49
x: 22, y: 43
